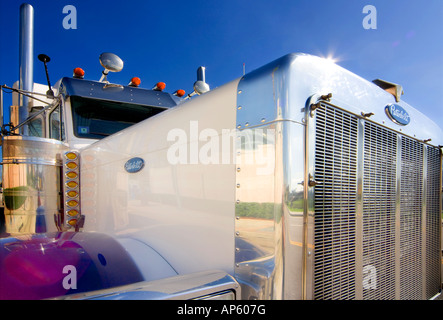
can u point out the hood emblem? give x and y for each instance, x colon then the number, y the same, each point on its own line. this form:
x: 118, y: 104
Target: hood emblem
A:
x: 134, y: 165
x: 397, y: 114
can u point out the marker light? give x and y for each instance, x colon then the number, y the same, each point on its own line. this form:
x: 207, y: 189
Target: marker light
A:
x: 71, y: 174
x: 71, y: 156
x: 72, y: 193
x: 71, y: 165
x: 72, y: 184
x: 179, y: 93
x: 79, y: 73
x: 160, y: 86
x: 72, y: 203
x: 72, y: 213
x: 135, y: 82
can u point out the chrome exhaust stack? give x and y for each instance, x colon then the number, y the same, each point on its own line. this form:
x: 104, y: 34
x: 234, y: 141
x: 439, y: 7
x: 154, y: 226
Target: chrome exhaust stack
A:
x: 26, y: 56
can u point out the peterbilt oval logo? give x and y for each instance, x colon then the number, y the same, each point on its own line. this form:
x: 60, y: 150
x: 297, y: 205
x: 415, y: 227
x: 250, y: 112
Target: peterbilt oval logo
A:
x: 397, y: 114
x: 134, y: 165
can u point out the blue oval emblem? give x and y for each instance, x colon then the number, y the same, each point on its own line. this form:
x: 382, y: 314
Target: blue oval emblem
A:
x: 134, y: 165
x: 397, y: 114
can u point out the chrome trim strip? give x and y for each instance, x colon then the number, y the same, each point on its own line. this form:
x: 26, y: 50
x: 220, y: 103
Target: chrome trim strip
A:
x: 397, y: 220
x: 181, y: 287
x: 37, y: 139
x: 359, y: 212
x: 424, y: 222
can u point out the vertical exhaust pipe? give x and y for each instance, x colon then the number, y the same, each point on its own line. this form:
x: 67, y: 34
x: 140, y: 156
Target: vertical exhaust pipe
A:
x: 26, y: 63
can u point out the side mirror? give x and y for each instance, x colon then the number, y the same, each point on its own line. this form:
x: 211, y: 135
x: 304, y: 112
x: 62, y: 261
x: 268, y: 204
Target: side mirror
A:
x: 45, y: 59
x: 111, y: 63
x: 200, y: 86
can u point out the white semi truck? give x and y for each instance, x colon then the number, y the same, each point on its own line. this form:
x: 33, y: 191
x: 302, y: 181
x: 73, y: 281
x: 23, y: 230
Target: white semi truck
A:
x: 299, y: 180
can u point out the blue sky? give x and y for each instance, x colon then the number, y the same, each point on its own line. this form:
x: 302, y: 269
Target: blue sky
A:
x: 167, y: 40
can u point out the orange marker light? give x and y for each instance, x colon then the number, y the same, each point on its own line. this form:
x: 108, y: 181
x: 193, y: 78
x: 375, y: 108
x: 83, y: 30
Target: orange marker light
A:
x: 71, y: 175
x: 135, y: 82
x: 72, y: 184
x: 72, y: 203
x: 79, y: 73
x: 160, y: 86
x: 72, y: 212
x: 71, y: 165
x: 180, y: 93
x: 71, y: 155
x: 72, y: 193
x: 72, y: 222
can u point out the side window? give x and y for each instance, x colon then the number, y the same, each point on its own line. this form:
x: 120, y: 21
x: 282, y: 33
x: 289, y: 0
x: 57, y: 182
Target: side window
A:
x: 35, y: 127
x: 56, y: 127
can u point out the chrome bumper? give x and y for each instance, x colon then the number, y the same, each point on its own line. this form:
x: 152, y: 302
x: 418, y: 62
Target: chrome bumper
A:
x: 202, y: 285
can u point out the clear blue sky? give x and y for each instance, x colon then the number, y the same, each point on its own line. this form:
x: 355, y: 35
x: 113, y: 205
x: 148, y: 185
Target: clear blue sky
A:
x: 167, y: 40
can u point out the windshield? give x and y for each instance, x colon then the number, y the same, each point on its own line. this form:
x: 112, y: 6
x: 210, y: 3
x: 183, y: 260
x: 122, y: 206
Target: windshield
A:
x: 96, y: 119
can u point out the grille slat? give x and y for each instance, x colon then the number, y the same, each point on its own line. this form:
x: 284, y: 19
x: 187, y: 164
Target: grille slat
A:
x: 433, y: 222
x: 397, y: 230
x: 411, y: 202
x: 379, y: 198
x: 336, y: 149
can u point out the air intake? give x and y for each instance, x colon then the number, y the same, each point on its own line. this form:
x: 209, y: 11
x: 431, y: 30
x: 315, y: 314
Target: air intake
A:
x: 376, y: 208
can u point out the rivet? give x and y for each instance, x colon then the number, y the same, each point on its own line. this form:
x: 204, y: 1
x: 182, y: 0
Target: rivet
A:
x: 238, y: 185
x: 263, y: 120
x: 239, y: 126
x: 239, y: 91
x: 237, y: 233
x: 239, y: 108
x: 238, y: 201
x: 238, y: 169
x: 246, y: 124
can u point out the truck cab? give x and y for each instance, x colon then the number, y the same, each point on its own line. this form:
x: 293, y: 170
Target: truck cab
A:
x: 85, y: 111
x: 70, y: 115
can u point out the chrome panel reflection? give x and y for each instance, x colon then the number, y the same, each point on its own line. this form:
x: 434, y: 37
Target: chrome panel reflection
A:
x: 279, y: 206
x: 31, y: 183
x: 258, y: 213
x: 280, y: 89
x: 269, y: 192
x: 201, y: 285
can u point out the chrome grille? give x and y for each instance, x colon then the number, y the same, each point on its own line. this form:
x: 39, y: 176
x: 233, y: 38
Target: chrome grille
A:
x: 433, y: 222
x: 379, y: 198
x: 392, y: 226
x: 411, y: 204
x: 335, y: 200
